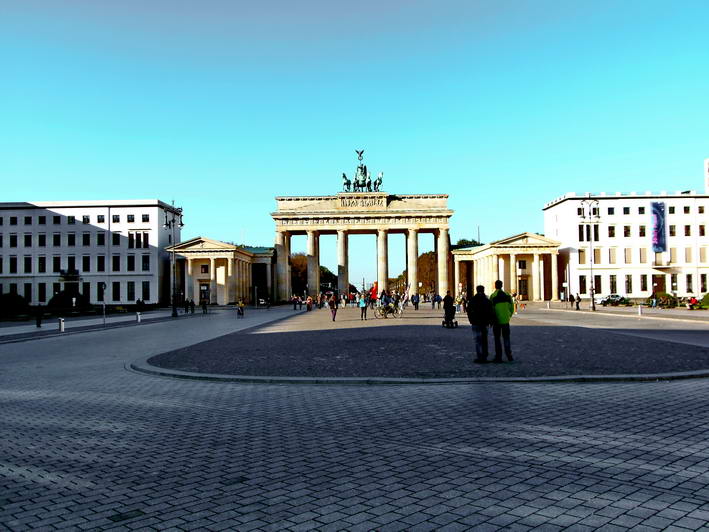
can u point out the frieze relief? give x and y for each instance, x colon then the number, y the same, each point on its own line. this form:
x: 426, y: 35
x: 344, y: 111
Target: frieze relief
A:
x: 329, y: 222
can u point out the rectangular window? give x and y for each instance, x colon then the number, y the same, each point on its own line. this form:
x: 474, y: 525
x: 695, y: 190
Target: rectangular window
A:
x: 146, y: 240
x: 71, y: 264
x: 673, y: 282
x: 116, y: 291
x: 86, y: 289
x: 611, y: 256
x: 86, y: 263
x: 596, y: 256
x: 582, y: 260
x: 42, y: 240
x: 99, y: 291
x: 641, y: 210
x: 689, y: 281
x: 702, y: 255
x: 628, y: 255
x: 614, y: 287
x: 687, y: 230
x: 643, y: 283
x: 116, y: 218
x: 580, y: 233
x: 28, y: 240
x: 703, y: 283
x: 56, y: 220
x: 1, y: 244
x: 116, y: 264
x: 700, y: 208
x: 673, y: 255
x: 131, y: 263
x: 641, y: 231
x: 611, y: 211
x: 582, y: 284
x: 671, y: 209
x: 27, y: 265
x: 1, y: 272
x: 42, y: 264
x: 71, y: 220
x: 42, y: 220
x: 86, y: 239
x: 146, y: 291
x: 131, y: 219
x: 522, y: 265
x: 685, y: 209
x: 145, y: 218
x: 673, y: 230
x: 56, y: 264
x: 688, y: 255
x: 626, y: 231
x: 130, y: 291
x: 56, y: 240
x: 13, y: 288
x: 146, y: 263
x: 28, y: 292
x: 28, y: 220
x: 56, y: 288
x: 42, y: 292
x: 101, y: 239
x: 71, y: 239
x: 701, y: 230
x: 13, y: 264
x: 626, y: 210
x: 85, y: 219
x: 13, y: 220
x: 131, y: 240
x: 611, y: 231
x: 115, y: 239
x: 13, y: 240
x: 139, y: 240
x: 628, y: 284
x: 595, y: 233
x: 101, y: 263
x: 643, y: 255
x: 101, y: 219
x: 597, y: 287
x: 579, y: 211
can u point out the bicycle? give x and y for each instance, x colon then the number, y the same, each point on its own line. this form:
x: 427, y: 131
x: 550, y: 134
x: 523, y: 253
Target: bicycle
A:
x: 384, y: 311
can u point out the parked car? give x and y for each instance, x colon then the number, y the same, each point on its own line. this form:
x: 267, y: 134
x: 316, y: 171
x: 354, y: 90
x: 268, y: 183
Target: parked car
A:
x: 614, y: 300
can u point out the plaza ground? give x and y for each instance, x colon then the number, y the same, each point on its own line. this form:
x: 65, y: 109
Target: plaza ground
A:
x: 90, y: 445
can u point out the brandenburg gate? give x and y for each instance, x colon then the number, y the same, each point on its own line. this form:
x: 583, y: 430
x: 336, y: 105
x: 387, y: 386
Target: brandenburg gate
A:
x: 366, y: 212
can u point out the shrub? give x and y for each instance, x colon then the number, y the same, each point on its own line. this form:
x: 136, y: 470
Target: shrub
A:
x: 62, y: 302
x: 704, y: 302
x: 13, y: 305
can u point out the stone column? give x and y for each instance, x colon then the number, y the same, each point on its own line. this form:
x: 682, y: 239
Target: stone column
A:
x: 542, y: 292
x: 230, y: 280
x: 412, y: 250
x: 554, y: 277
x: 534, y: 295
x: 475, y: 279
x: 282, y: 266
x: 343, y: 282
x: 212, y: 280
x: 250, y: 282
x: 189, y: 282
x: 442, y: 261
x: 242, y: 279
x: 313, y: 263
x: 382, y: 260
x: 456, y: 276
x: 513, y: 274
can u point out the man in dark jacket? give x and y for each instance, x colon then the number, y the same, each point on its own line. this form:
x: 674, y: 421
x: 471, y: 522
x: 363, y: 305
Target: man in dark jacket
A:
x: 480, y: 311
x: 449, y: 307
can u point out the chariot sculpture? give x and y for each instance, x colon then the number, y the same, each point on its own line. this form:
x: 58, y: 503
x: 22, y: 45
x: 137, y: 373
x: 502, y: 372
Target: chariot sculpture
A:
x: 362, y: 179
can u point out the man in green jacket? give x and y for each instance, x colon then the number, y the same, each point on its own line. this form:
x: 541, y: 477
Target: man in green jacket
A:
x: 504, y: 308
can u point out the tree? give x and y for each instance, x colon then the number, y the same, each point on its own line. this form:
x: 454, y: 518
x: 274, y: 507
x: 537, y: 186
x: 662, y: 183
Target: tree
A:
x: 466, y: 243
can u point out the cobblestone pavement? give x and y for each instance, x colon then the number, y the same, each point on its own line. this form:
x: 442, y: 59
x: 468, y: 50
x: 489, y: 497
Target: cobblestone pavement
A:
x: 544, y: 343
x: 87, y: 445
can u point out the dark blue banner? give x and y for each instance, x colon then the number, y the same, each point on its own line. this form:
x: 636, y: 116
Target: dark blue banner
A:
x: 659, y: 238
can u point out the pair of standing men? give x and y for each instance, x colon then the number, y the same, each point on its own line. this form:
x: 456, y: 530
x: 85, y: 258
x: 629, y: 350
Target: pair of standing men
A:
x: 496, y: 311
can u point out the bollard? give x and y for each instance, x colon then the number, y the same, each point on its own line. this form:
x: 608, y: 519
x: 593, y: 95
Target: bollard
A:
x: 137, y: 317
x: 640, y: 310
x: 61, y: 324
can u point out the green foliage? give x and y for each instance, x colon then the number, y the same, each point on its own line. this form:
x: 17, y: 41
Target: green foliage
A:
x: 466, y: 243
x: 63, y: 302
x: 13, y: 305
x: 664, y: 300
x: 704, y: 302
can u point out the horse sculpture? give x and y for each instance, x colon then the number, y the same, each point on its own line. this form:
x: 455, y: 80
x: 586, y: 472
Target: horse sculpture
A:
x: 346, y: 183
x: 378, y: 181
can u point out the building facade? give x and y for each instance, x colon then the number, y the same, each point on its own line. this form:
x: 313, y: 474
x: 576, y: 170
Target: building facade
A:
x: 112, y: 251
x: 631, y: 244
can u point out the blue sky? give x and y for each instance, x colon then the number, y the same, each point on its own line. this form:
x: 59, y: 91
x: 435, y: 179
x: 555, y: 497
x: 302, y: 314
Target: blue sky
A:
x: 222, y: 105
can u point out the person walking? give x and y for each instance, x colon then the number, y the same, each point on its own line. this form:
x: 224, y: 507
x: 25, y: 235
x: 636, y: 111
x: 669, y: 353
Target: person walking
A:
x: 204, y: 306
x: 504, y: 309
x: 415, y: 301
x: 38, y: 316
x: 191, y: 306
x: 571, y: 300
x: 480, y: 316
x: 363, y: 308
x: 332, y: 303
x: 187, y: 306
x: 578, y: 301
x: 448, y: 308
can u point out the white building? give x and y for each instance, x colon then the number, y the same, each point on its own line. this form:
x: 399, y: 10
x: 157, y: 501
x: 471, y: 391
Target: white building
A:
x: 616, y: 241
x: 46, y: 247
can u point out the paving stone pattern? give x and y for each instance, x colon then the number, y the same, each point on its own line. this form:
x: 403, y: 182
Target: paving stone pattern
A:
x: 87, y: 445
x: 311, y: 345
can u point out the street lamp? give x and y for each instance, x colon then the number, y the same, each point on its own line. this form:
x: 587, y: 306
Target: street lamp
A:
x: 171, y: 223
x: 590, y: 217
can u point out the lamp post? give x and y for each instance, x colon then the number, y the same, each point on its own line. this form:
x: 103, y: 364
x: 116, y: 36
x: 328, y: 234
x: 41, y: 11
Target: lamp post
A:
x: 590, y: 216
x: 171, y: 223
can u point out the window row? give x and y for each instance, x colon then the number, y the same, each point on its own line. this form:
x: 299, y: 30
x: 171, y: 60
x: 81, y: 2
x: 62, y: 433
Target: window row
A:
x: 71, y: 220
x: 136, y: 239
x: 119, y: 292
x: 610, y: 285
x: 42, y: 264
x: 611, y: 255
x: 585, y: 231
x: 671, y: 209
